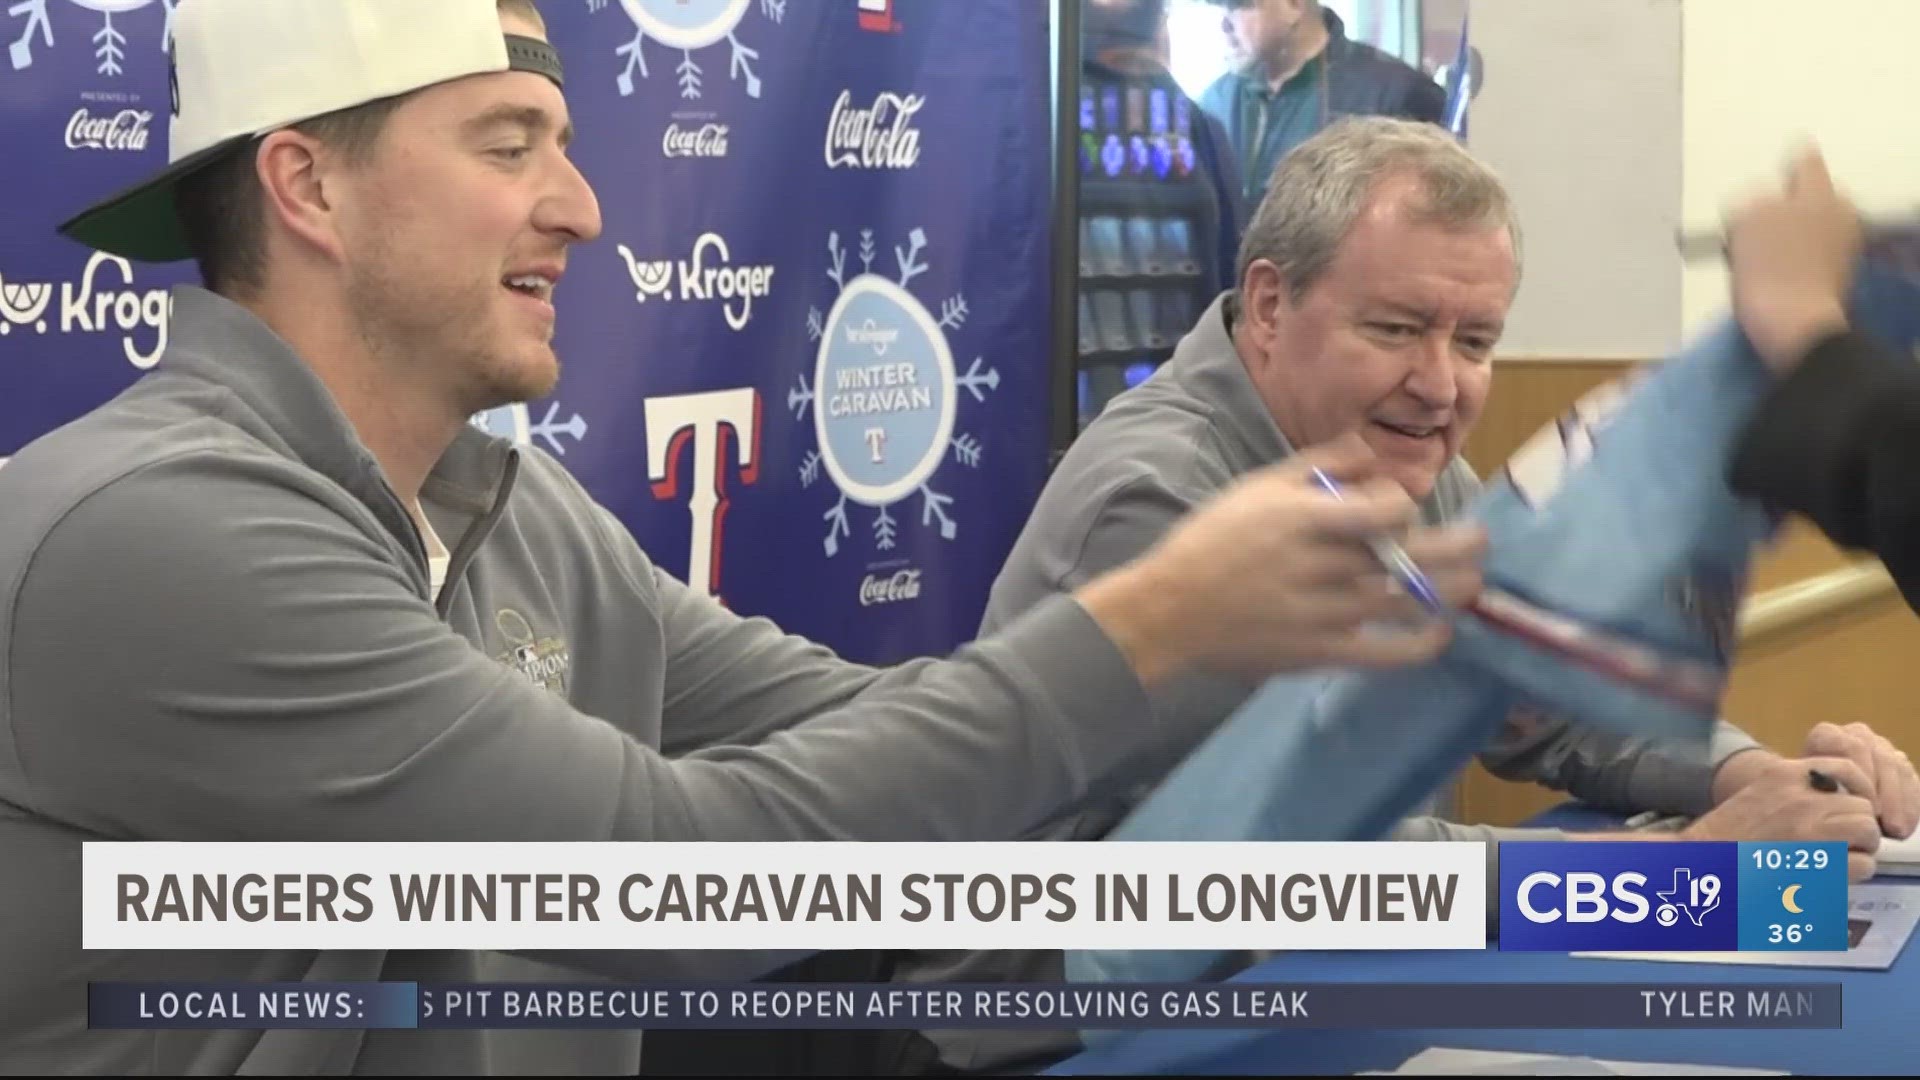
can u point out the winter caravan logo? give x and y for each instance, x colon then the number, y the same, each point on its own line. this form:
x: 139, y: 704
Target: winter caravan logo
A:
x: 884, y: 395
x: 109, y: 42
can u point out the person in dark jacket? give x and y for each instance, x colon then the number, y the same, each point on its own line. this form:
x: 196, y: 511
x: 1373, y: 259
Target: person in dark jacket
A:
x: 1838, y: 440
x: 1302, y: 73
x: 1838, y: 437
x: 1124, y: 39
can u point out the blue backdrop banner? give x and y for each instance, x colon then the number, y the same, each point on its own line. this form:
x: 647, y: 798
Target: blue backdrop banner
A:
x: 806, y: 363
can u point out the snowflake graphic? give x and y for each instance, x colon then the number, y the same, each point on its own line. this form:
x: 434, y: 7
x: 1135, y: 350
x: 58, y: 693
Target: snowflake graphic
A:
x: 109, y: 44
x: 515, y: 422
x: 688, y: 25
x: 885, y: 393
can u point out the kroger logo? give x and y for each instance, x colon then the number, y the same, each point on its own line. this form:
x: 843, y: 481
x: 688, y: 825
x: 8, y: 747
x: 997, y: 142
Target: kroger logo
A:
x: 871, y: 334
x: 124, y: 130
x: 708, y: 275
x: 90, y: 307
x: 705, y: 141
x: 881, y: 589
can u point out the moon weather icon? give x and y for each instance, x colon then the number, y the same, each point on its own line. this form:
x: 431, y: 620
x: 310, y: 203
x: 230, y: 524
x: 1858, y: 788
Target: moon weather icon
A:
x: 1787, y: 899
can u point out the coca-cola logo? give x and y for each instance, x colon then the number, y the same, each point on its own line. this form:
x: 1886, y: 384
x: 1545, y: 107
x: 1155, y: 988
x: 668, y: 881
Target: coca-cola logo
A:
x: 125, y: 130
x: 706, y: 141
x: 876, y: 589
x: 880, y: 136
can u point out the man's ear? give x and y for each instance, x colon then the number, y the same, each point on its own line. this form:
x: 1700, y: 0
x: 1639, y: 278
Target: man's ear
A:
x: 292, y: 168
x: 1263, y: 296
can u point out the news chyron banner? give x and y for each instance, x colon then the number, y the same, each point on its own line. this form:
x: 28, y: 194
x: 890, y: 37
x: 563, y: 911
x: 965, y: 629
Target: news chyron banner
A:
x: 1377, y: 896
x: 783, y: 895
x: 806, y: 362
x: 1641, y: 896
x: 1558, y: 896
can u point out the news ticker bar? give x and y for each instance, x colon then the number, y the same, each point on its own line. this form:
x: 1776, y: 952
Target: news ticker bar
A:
x: 1109, y: 1006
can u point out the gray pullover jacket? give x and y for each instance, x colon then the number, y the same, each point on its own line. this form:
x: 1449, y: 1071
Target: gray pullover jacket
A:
x: 215, y: 624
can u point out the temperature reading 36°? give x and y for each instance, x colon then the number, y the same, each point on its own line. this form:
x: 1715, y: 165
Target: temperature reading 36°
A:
x: 1789, y: 933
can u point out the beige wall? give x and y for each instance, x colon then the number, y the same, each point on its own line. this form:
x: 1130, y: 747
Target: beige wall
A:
x: 1581, y: 115
x: 1759, y: 74
x: 1617, y: 122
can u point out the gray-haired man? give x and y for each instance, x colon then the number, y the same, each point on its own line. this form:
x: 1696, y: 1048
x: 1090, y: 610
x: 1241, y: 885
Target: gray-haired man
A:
x: 1374, y: 283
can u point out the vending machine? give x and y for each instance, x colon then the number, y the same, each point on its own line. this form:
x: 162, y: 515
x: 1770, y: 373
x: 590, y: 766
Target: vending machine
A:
x: 1156, y: 220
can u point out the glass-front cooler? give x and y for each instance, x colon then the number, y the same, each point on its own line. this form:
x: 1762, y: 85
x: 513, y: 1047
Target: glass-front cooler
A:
x: 1167, y: 136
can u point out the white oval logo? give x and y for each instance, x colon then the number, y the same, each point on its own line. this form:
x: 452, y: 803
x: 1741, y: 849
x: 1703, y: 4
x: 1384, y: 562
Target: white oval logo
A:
x: 686, y: 24
x: 885, y: 379
x: 112, y: 7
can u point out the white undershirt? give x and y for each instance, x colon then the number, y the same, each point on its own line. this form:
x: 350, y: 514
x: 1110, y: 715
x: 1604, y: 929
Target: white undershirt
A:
x: 437, y: 556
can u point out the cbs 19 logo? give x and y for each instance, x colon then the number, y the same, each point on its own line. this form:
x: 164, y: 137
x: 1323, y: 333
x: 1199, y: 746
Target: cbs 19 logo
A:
x: 1587, y: 897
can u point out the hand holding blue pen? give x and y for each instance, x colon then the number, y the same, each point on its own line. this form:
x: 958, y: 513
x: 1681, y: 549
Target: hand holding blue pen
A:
x: 1393, y: 557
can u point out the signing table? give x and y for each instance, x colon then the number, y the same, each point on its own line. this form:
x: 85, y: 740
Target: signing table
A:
x: 1881, y: 1032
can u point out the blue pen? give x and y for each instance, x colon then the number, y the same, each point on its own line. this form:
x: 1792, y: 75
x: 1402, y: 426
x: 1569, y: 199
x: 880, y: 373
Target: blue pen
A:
x: 1393, y: 557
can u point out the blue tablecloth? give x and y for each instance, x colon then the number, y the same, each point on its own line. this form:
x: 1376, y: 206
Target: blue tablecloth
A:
x: 1881, y: 1033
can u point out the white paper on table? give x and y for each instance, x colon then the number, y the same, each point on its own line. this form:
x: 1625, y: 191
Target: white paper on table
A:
x: 1880, y: 919
x: 1443, y: 1061
x: 1898, y: 858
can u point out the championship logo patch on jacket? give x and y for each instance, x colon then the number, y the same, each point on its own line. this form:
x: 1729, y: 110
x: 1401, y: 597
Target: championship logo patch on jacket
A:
x: 544, y: 661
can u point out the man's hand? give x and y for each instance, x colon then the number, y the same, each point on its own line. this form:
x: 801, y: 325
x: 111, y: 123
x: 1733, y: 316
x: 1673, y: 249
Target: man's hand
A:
x: 1892, y: 786
x: 1778, y: 803
x: 1876, y: 770
x: 1793, y: 255
x: 1274, y: 575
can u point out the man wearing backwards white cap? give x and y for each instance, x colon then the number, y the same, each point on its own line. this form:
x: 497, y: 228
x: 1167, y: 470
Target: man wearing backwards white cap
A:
x: 227, y: 613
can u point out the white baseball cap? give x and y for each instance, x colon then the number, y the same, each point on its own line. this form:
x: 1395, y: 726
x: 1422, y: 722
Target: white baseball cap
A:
x: 244, y: 68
